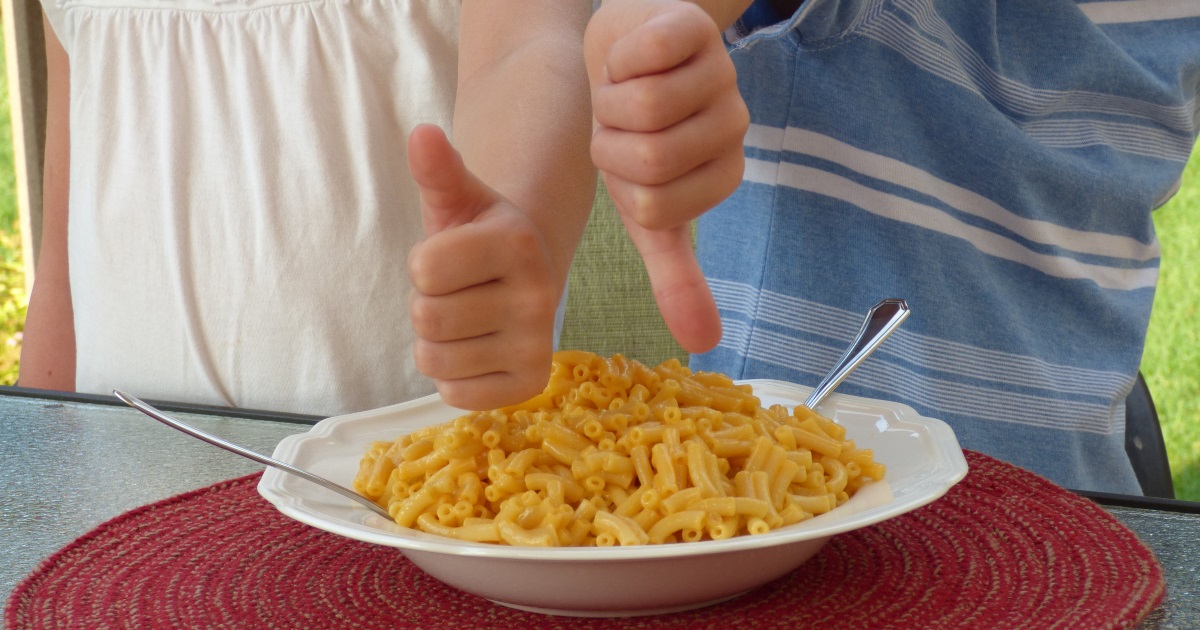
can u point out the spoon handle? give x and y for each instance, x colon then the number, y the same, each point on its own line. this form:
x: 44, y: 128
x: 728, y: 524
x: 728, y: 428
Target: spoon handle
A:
x: 153, y: 412
x: 881, y: 320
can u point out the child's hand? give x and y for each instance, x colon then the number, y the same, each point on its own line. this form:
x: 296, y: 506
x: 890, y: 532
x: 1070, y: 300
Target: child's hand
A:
x: 670, y: 124
x: 483, y: 299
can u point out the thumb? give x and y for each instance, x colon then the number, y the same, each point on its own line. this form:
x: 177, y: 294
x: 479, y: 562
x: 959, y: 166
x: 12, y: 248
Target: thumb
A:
x: 682, y: 294
x: 450, y: 194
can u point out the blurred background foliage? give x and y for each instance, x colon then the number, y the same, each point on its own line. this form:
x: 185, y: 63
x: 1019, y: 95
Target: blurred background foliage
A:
x: 13, y: 296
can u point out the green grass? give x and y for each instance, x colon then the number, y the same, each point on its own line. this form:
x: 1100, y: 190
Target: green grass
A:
x: 1171, y: 362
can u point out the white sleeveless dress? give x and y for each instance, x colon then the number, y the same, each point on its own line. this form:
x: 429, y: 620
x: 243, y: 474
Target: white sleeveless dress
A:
x: 241, y: 209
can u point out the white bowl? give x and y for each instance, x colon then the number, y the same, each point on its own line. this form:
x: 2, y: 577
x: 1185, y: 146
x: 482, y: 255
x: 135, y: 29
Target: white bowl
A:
x: 922, y: 456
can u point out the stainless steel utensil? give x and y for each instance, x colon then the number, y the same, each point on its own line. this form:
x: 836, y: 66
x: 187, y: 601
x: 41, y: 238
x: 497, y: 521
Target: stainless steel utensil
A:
x: 882, y: 319
x: 151, y: 411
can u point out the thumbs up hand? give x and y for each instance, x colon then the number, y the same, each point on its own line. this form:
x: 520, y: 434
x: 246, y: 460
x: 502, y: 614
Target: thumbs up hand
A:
x: 484, y: 299
x: 668, y: 141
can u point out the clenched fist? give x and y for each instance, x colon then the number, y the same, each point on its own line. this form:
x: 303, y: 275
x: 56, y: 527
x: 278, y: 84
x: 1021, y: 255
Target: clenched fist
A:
x: 668, y: 140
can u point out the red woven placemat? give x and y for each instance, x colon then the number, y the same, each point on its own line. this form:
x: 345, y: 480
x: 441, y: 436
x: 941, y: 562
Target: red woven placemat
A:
x: 1003, y: 549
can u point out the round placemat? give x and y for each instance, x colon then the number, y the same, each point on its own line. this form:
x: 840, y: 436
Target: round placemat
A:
x: 1003, y: 549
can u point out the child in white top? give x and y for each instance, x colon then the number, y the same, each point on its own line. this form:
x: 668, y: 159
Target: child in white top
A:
x: 242, y: 229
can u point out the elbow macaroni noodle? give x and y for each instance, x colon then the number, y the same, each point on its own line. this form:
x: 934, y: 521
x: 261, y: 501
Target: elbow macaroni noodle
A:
x: 617, y: 453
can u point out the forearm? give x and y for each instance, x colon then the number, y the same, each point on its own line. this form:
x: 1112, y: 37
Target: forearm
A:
x: 523, y: 117
x: 670, y: 124
x: 48, y: 343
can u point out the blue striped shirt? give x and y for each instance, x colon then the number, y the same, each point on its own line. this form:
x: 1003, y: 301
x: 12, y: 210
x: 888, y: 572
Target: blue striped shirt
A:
x: 996, y: 164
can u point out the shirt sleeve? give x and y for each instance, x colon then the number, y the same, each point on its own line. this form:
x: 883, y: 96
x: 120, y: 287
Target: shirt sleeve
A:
x: 53, y: 10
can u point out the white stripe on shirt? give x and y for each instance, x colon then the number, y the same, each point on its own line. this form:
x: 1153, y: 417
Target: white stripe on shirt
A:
x: 1135, y: 139
x: 894, y: 171
x: 933, y: 46
x: 898, y: 208
x: 1139, y: 11
x: 969, y: 361
x: 893, y: 381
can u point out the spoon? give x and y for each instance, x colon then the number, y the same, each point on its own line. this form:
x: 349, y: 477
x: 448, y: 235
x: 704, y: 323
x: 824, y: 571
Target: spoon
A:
x: 882, y: 319
x: 247, y: 453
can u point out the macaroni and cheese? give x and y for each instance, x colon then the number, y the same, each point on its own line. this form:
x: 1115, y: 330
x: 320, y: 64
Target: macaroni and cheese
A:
x: 614, y: 452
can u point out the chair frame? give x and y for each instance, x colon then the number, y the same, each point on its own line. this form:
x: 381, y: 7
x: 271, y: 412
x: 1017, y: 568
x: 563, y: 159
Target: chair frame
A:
x: 1144, y: 442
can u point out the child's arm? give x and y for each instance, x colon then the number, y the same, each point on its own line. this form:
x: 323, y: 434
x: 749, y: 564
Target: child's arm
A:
x: 48, y: 346
x: 670, y: 125
x: 502, y: 231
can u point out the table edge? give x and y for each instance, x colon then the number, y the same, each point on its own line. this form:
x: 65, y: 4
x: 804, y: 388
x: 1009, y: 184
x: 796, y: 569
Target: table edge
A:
x: 165, y: 405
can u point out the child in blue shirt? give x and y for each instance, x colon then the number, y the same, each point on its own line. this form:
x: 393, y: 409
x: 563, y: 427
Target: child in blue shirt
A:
x: 996, y: 164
